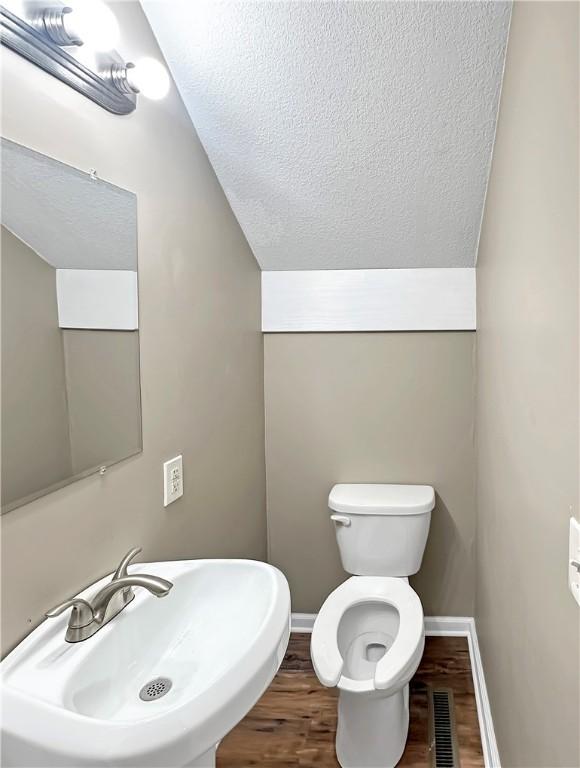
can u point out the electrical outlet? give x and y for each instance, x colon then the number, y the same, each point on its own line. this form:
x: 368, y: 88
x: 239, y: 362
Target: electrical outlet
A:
x: 172, y: 480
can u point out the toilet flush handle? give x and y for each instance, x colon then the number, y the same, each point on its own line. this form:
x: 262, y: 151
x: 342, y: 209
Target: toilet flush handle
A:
x: 341, y: 520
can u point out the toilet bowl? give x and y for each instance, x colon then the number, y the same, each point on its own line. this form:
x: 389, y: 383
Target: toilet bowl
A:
x: 368, y: 641
x: 368, y: 637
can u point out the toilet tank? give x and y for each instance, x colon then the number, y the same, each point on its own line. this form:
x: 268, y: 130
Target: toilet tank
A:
x: 381, y: 529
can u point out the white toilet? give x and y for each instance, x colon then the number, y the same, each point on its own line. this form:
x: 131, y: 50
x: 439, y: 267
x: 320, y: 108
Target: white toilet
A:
x: 368, y: 637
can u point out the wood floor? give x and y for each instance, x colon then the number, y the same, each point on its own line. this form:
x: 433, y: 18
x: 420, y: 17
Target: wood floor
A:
x: 293, y: 725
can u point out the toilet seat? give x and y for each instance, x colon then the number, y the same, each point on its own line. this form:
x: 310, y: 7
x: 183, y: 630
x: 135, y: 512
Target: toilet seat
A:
x: 326, y: 656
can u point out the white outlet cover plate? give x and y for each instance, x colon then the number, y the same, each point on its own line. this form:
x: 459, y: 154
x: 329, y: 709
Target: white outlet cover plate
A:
x: 172, y: 480
x: 574, y: 554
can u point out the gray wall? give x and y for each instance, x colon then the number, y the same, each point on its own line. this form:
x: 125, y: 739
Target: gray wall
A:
x: 201, y: 351
x: 527, y: 401
x: 102, y: 379
x: 34, y: 406
x: 370, y: 407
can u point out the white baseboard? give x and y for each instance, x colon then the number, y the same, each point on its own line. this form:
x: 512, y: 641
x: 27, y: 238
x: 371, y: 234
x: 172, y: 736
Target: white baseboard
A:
x: 488, y: 740
x: 448, y: 626
x: 302, y: 622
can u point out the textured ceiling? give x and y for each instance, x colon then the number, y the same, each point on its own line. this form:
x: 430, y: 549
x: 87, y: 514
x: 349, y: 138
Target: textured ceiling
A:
x: 71, y: 220
x: 345, y: 134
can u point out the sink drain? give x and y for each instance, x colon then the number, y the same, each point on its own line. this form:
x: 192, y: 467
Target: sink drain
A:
x: 155, y: 689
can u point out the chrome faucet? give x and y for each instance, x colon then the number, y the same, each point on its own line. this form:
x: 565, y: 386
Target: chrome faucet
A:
x: 88, y: 616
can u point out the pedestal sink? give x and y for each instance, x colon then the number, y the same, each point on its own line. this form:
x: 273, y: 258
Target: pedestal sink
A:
x: 161, y: 684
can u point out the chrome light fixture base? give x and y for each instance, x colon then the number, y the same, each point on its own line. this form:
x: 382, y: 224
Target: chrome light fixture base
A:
x: 34, y: 41
x: 120, y: 80
x: 51, y: 22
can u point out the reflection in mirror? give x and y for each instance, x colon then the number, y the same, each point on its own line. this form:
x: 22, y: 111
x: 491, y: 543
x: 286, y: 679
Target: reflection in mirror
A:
x: 70, y: 339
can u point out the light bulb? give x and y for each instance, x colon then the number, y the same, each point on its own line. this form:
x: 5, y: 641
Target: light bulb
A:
x: 16, y: 7
x: 93, y: 24
x: 149, y: 77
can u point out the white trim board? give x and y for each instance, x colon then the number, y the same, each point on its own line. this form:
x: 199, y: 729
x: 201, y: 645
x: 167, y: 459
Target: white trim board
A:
x: 368, y: 300
x: 97, y: 299
x: 448, y: 626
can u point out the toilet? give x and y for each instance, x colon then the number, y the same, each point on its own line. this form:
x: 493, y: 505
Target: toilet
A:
x: 368, y: 637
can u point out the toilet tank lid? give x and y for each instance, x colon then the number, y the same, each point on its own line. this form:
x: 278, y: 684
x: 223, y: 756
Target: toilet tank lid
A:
x: 381, y: 499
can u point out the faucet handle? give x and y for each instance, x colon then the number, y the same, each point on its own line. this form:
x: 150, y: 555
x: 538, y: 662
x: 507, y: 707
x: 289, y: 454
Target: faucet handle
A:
x: 82, y: 612
x: 121, y: 571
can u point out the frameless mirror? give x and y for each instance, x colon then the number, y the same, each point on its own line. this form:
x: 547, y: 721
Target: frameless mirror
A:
x: 70, y: 340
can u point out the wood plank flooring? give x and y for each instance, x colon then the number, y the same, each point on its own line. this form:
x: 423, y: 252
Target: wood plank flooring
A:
x: 293, y: 725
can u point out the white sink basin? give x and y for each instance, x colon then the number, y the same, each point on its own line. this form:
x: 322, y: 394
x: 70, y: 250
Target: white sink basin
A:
x: 219, y: 636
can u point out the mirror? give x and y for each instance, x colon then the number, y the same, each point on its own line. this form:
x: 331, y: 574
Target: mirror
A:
x: 70, y: 341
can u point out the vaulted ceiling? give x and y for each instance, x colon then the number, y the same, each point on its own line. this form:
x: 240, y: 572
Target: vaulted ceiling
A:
x: 345, y: 134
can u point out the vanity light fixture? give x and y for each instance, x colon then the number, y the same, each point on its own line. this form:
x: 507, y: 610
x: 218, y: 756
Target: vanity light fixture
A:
x: 49, y: 35
x: 146, y: 76
x: 85, y: 22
